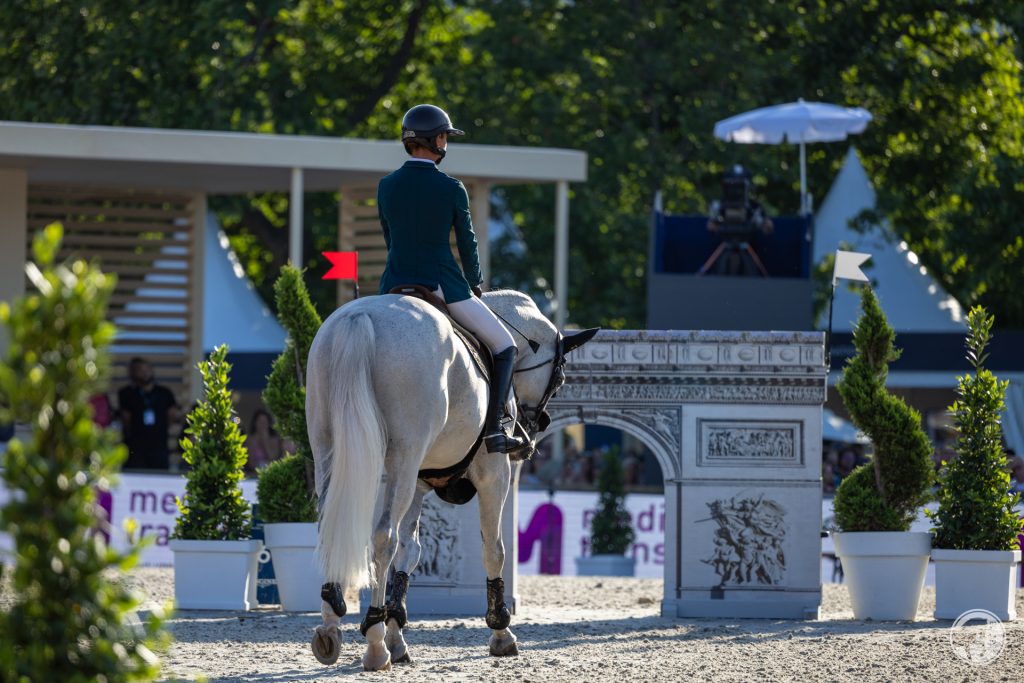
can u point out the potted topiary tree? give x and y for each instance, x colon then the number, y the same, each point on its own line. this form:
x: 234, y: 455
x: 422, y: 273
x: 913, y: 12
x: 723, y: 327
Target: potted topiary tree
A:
x: 68, y: 614
x: 611, y: 530
x: 215, y: 561
x: 884, y: 563
x: 285, y: 488
x: 289, y: 515
x: 976, y: 551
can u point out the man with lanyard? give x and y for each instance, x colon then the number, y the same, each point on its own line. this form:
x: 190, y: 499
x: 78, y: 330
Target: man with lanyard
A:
x: 418, y: 207
x: 146, y: 411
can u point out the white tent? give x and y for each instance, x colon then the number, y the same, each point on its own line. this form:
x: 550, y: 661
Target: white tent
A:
x: 233, y: 311
x: 913, y: 301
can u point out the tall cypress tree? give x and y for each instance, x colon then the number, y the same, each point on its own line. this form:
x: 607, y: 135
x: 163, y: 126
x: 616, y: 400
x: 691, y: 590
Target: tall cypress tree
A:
x: 71, y: 618
x: 884, y: 494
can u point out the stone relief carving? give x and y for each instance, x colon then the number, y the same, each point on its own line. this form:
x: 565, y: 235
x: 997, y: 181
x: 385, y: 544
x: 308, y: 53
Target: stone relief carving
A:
x: 740, y: 442
x: 440, y: 558
x: 747, y: 541
x: 663, y: 422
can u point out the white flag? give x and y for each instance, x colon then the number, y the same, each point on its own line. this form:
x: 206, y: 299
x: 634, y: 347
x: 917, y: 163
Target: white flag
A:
x: 848, y: 266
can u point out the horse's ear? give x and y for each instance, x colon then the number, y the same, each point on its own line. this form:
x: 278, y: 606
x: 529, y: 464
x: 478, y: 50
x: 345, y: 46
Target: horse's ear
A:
x: 578, y: 339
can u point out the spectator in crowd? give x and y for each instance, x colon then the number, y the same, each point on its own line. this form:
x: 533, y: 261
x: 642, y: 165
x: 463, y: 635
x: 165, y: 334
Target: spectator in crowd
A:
x: 263, y: 442
x: 631, y: 468
x: 146, y: 409
x: 102, y: 412
x: 847, y: 461
x: 1015, y: 463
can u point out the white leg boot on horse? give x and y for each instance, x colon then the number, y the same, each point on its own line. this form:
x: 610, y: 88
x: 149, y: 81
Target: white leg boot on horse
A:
x: 491, y: 477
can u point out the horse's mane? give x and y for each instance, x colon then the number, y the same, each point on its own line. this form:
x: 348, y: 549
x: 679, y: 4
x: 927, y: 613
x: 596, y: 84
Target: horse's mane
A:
x: 513, y: 304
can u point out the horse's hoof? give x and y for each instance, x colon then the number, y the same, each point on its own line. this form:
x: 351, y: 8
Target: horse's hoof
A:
x: 404, y: 659
x: 370, y: 665
x: 504, y: 648
x: 326, y: 644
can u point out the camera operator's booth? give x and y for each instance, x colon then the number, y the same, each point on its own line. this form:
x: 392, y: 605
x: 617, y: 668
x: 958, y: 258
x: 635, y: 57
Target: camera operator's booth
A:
x: 684, y: 294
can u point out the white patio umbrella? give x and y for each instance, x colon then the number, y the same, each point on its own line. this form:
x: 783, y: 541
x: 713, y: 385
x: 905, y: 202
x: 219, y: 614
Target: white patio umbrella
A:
x: 800, y: 122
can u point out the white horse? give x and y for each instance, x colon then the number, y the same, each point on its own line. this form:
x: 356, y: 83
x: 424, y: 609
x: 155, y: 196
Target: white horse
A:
x: 391, y: 393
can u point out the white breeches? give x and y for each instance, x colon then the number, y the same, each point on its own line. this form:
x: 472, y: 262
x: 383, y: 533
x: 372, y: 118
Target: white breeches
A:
x: 474, y: 315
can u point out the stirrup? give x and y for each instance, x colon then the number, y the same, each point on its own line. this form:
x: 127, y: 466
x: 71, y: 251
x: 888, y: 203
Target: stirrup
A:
x: 501, y: 442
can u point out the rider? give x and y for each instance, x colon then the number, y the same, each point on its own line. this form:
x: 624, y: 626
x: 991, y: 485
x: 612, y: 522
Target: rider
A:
x: 418, y: 207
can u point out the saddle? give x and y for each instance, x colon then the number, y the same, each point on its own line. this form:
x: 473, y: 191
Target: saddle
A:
x: 450, y: 483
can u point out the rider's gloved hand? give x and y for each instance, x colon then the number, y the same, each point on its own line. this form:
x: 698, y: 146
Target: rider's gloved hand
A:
x: 477, y: 292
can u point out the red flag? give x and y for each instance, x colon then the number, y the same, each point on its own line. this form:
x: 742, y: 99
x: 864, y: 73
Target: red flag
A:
x: 344, y: 265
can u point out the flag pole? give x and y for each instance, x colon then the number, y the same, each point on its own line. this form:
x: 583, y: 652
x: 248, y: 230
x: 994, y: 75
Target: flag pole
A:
x: 355, y: 283
x: 828, y: 334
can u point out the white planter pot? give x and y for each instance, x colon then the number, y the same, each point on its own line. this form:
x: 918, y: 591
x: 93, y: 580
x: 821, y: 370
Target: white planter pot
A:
x: 605, y: 565
x: 884, y: 572
x: 975, y: 579
x: 292, y: 550
x: 215, y: 574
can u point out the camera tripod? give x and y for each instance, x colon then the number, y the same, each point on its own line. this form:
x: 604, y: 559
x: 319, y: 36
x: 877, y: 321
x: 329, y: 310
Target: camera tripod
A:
x: 740, y: 253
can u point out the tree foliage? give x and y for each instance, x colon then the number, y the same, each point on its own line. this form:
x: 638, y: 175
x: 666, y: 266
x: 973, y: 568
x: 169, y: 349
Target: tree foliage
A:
x: 213, y: 508
x: 611, y: 532
x: 884, y: 494
x: 637, y: 85
x: 976, y: 506
x: 72, y: 617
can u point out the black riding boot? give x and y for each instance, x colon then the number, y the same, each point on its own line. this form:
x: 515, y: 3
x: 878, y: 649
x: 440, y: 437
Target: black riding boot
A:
x: 495, y: 438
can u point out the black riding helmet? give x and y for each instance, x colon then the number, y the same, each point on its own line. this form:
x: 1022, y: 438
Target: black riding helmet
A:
x: 423, y: 123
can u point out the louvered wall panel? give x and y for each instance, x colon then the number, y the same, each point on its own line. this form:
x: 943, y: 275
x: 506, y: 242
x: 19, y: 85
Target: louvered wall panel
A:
x: 147, y: 240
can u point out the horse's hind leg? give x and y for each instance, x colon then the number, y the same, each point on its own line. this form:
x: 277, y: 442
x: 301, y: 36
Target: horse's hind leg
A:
x: 406, y: 559
x: 396, y: 497
x: 491, y: 476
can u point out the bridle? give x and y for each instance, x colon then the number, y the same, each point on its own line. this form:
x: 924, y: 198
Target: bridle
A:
x: 535, y: 419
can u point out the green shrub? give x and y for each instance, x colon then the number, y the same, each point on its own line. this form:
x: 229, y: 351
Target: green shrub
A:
x: 884, y: 494
x: 611, y: 532
x: 213, y: 508
x: 285, y: 394
x: 282, y: 492
x: 976, y: 507
x: 72, y: 616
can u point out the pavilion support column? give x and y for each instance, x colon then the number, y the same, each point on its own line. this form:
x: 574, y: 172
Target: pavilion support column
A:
x: 480, y: 208
x: 13, y: 238
x: 561, y: 252
x: 295, y: 219
x: 196, y: 286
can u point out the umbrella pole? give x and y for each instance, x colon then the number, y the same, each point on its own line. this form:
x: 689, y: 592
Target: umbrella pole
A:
x: 803, y: 180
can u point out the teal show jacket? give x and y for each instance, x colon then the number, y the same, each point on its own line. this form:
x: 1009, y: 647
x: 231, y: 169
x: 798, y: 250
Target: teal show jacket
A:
x: 418, y: 206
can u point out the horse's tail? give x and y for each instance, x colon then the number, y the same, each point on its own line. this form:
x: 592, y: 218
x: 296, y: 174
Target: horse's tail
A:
x: 358, y: 443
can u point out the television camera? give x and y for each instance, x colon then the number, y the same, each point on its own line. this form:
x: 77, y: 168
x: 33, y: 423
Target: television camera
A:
x: 736, y: 219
